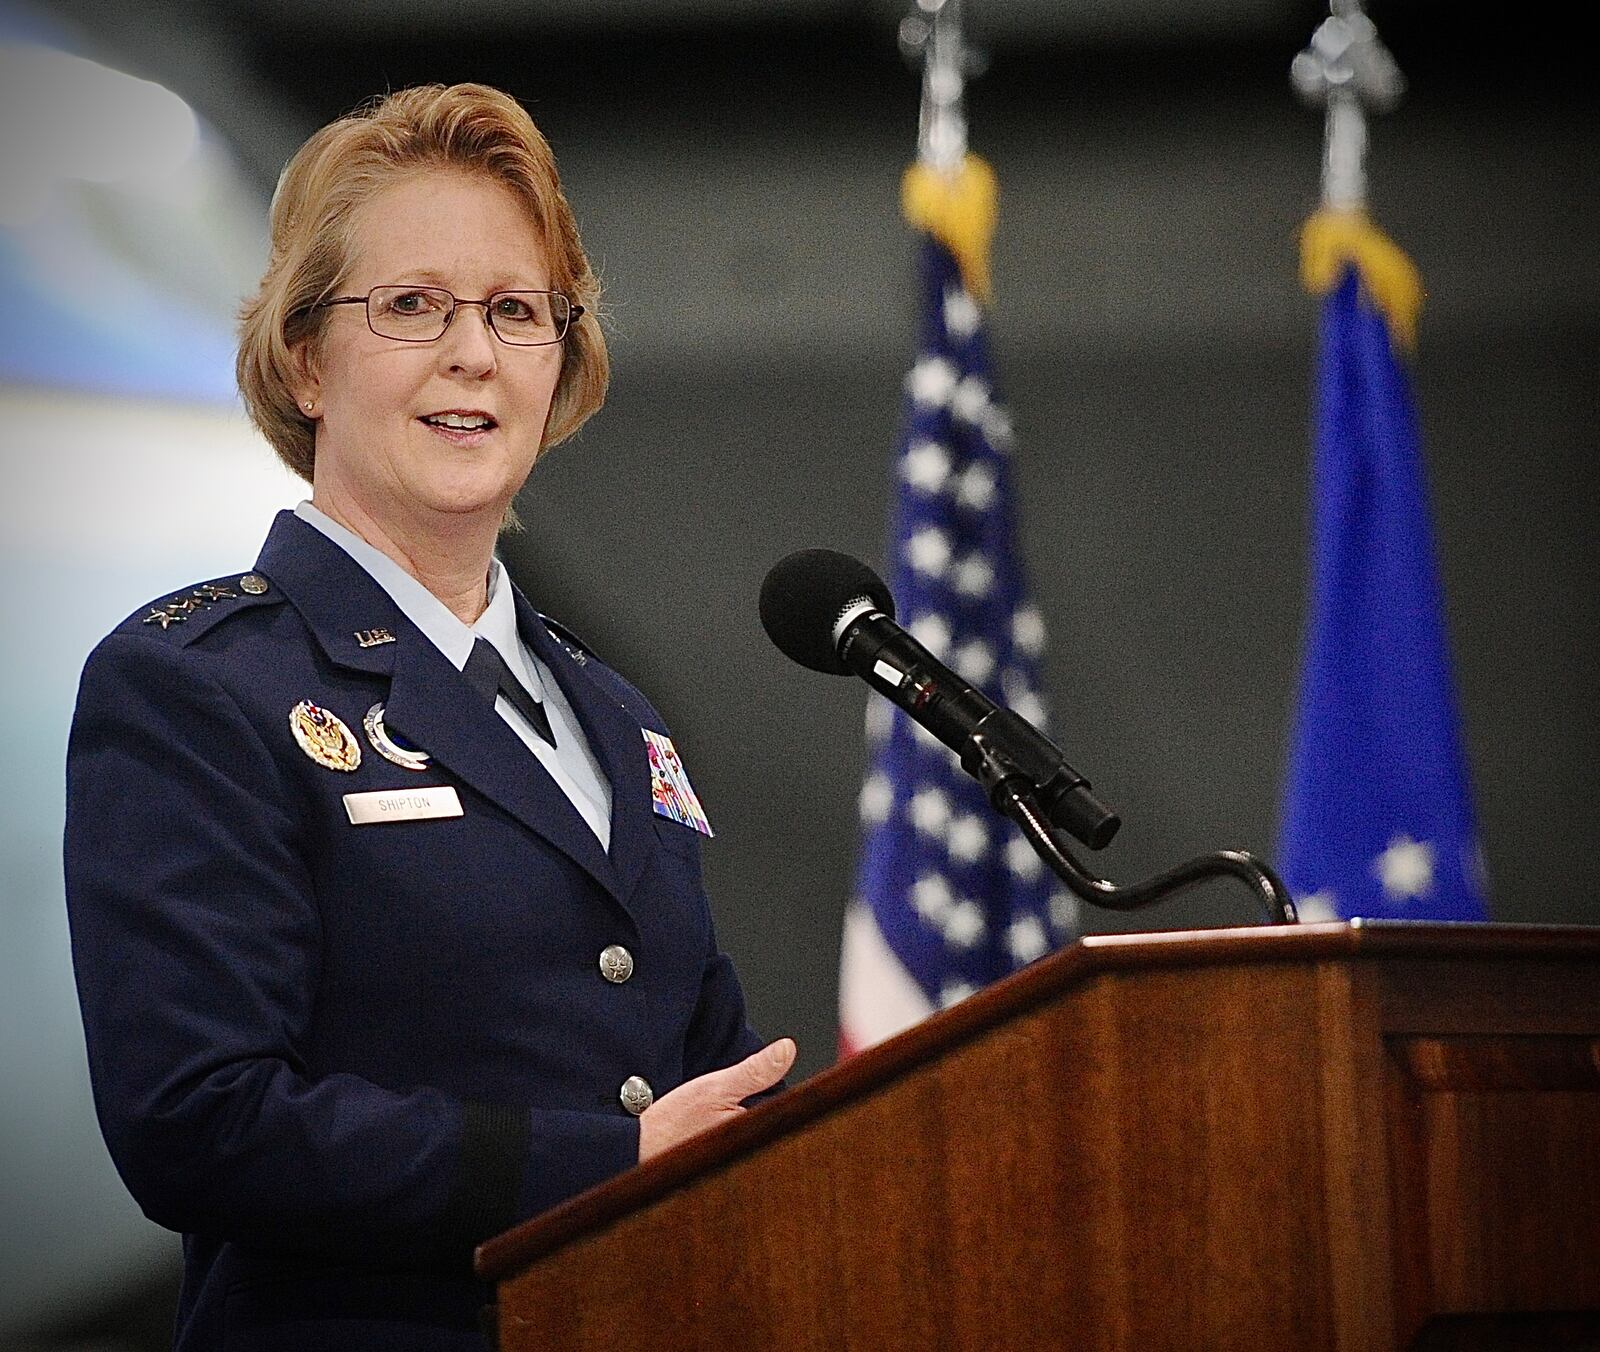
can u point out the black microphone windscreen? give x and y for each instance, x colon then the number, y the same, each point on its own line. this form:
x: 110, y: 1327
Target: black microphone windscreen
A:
x: 803, y: 597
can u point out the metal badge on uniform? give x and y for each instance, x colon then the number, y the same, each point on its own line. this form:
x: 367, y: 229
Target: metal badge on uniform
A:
x: 402, y: 805
x: 324, y: 737
x: 670, y: 791
x: 390, y: 745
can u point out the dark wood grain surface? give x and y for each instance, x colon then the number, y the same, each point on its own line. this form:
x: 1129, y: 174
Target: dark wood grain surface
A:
x: 1277, y: 1138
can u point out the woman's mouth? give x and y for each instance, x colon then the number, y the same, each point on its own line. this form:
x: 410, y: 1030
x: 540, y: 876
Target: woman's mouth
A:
x: 460, y: 428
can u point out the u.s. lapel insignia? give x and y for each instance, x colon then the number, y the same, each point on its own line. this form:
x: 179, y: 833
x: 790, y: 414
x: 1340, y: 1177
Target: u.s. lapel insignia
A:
x: 324, y: 737
x: 391, y: 747
x: 372, y: 638
x: 671, y: 794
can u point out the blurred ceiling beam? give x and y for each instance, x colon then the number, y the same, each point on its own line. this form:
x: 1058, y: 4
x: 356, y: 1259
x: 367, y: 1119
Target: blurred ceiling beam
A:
x: 993, y: 20
x: 201, y: 52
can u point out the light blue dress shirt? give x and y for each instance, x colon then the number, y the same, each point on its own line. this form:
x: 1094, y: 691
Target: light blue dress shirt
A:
x: 570, y: 762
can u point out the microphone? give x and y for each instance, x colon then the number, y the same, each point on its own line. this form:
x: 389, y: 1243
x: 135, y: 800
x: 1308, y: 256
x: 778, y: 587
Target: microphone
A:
x: 830, y: 612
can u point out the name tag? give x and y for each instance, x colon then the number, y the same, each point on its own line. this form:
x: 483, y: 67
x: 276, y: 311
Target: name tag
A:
x: 402, y: 805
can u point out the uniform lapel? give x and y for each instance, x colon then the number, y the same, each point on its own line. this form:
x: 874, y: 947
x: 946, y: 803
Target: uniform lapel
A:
x: 616, y: 735
x: 429, y: 701
x: 335, y: 595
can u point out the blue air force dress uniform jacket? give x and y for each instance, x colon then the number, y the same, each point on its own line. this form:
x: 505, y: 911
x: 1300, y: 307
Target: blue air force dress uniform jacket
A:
x: 337, y: 1056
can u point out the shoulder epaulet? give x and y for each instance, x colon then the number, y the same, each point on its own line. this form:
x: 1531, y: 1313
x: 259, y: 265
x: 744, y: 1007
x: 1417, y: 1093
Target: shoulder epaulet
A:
x: 628, y: 695
x: 581, y: 651
x: 189, y: 613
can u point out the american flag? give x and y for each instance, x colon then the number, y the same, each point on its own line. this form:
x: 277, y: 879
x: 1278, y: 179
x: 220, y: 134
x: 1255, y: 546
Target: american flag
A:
x: 949, y: 896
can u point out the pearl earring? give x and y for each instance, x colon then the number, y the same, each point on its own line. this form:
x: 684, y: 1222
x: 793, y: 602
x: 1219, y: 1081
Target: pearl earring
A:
x: 309, y: 406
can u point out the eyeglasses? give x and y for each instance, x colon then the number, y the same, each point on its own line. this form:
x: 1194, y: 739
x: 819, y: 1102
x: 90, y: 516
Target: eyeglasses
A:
x: 421, y: 314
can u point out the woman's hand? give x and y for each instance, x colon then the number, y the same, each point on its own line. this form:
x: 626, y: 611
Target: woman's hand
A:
x: 712, y: 1098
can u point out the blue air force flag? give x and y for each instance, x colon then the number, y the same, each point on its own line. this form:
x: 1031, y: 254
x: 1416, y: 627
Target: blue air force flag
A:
x: 949, y: 895
x: 1377, y: 818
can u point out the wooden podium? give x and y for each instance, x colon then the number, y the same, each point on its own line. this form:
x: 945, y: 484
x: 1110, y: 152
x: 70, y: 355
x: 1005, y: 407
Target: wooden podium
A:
x: 1369, y: 1136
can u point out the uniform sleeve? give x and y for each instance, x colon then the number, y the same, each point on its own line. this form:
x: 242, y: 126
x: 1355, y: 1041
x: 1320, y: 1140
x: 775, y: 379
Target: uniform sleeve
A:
x: 720, y: 1034
x: 196, y: 942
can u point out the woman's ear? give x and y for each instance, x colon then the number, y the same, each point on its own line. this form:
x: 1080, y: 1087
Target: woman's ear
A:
x: 304, y: 383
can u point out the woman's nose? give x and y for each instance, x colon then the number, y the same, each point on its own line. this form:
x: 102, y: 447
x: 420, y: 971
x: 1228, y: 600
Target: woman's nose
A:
x: 469, y: 340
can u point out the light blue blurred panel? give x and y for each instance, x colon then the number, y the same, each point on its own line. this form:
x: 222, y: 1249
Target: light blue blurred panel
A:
x: 128, y: 233
x: 23, y: 23
x: 139, y: 341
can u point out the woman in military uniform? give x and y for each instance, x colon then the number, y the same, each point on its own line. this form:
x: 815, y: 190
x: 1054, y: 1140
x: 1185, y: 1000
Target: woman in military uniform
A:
x: 386, y: 899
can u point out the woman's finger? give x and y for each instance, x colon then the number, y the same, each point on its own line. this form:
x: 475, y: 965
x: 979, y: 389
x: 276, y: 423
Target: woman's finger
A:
x: 760, y: 1070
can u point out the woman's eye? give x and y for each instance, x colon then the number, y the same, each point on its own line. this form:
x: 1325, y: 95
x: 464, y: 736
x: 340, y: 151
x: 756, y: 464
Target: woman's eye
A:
x: 411, y: 304
x: 513, y: 307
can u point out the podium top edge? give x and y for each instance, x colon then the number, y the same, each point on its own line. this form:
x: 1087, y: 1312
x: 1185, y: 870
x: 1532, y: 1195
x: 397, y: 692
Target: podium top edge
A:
x: 1341, y: 936
x: 1089, y: 957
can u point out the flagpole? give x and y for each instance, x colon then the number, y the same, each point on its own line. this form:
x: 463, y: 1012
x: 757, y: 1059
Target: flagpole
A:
x: 1346, y: 70
x: 948, y: 193
x: 942, y: 125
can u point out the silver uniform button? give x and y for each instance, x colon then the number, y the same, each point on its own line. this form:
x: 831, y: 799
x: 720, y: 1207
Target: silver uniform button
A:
x: 636, y: 1095
x: 616, y: 964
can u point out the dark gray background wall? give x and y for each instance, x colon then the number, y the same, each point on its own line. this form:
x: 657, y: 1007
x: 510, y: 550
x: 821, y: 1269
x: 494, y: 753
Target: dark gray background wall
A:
x: 737, y: 184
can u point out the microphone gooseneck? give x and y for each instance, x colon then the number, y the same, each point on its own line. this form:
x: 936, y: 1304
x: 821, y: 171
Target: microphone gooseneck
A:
x: 833, y: 614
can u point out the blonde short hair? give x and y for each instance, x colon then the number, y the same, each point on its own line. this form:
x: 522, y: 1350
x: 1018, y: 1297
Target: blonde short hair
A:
x: 468, y: 127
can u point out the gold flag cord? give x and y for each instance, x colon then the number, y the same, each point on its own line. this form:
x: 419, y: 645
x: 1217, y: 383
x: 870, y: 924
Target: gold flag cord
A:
x: 1332, y: 240
x: 959, y: 210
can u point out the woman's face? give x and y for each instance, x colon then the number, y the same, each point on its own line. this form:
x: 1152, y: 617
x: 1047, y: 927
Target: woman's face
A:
x: 376, y: 452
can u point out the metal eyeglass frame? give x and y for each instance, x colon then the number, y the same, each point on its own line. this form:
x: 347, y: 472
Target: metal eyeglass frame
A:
x: 574, y: 310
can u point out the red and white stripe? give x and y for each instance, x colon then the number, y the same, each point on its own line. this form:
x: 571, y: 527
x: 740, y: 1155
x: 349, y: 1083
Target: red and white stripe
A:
x: 878, y: 997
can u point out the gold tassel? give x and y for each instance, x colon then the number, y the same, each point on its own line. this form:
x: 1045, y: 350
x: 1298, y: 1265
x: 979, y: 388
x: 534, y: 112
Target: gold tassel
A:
x: 959, y: 210
x: 1332, y: 240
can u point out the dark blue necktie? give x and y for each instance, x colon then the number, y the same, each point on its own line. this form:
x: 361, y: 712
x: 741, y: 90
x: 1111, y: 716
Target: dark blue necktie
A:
x: 487, y: 673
